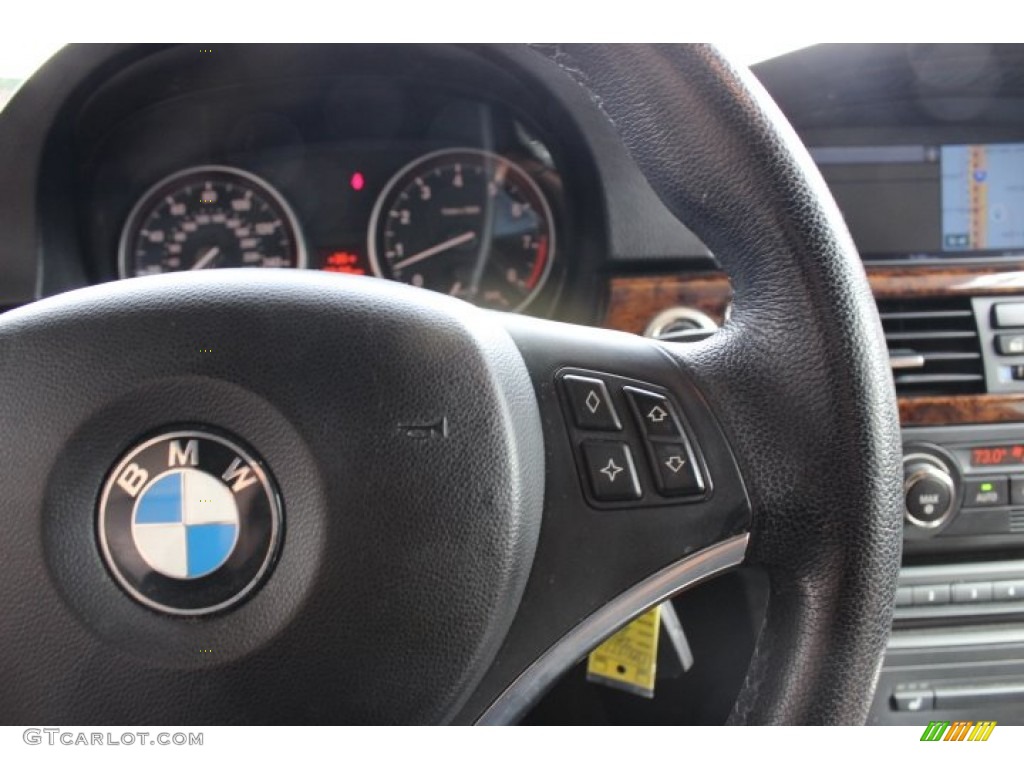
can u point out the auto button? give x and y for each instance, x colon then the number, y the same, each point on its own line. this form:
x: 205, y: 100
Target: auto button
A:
x: 988, y: 492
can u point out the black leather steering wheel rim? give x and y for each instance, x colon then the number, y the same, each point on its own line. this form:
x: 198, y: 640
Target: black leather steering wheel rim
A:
x: 803, y: 343
x: 451, y: 564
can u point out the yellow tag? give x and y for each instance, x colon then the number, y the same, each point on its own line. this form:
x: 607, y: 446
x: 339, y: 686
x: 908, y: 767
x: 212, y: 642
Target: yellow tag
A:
x: 628, y: 659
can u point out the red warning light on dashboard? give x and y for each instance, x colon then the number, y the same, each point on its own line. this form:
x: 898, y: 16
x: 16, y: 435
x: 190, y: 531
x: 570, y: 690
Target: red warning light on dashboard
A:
x: 357, y: 181
x: 343, y: 261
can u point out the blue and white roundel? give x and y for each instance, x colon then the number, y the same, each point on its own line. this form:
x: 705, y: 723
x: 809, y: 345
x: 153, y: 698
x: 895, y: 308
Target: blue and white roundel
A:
x: 185, y: 523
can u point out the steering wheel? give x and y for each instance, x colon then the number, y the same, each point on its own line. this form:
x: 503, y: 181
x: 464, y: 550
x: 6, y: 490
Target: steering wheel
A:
x: 449, y: 507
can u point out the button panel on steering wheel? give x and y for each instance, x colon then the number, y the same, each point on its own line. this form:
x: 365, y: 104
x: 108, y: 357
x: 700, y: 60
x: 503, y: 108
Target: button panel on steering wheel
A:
x: 645, y: 458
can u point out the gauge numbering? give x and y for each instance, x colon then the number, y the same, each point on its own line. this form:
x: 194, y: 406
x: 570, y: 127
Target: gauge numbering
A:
x: 465, y: 222
x: 206, y: 217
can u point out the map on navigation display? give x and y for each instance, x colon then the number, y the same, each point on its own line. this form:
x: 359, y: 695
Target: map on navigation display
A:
x: 982, y: 197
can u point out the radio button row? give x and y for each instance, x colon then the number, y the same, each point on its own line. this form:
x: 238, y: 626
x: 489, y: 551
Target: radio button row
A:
x: 961, y: 593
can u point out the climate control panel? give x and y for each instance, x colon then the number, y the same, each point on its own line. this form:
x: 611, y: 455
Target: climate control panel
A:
x: 963, y: 486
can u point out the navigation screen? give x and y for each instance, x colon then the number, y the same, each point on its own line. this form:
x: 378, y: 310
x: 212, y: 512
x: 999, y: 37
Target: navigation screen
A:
x: 982, y: 197
x: 929, y: 201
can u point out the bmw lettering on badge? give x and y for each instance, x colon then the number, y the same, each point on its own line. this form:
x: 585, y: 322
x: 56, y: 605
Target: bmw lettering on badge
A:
x: 189, y: 523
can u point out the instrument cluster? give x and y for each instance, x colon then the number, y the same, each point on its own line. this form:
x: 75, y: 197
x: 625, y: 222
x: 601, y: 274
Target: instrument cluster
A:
x: 468, y: 202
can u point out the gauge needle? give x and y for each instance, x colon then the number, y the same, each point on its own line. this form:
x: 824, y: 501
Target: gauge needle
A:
x: 433, y: 250
x: 206, y: 258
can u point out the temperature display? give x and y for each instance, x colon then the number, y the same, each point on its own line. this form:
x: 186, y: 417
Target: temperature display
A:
x: 997, y: 456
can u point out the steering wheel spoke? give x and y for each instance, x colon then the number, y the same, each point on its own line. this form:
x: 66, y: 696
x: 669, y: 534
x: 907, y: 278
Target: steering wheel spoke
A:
x: 643, y: 498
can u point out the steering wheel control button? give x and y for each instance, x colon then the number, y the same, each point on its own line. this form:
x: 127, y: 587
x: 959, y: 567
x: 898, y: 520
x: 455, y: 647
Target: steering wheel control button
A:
x: 675, y: 470
x: 189, y: 522
x: 654, y: 413
x: 612, y: 472
x: 932, y: 594
x: 988, y: 492
x: 591, y: 406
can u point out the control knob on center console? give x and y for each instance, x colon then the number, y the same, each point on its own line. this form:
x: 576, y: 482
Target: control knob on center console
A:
x: 929, y: 490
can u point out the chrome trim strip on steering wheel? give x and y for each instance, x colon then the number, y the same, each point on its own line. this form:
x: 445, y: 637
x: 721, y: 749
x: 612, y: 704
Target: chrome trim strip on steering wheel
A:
x: 687, y: 573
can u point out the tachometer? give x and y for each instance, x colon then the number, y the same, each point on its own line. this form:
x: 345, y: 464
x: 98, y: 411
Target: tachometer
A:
x: 206, y: 217
x: 465, y: 222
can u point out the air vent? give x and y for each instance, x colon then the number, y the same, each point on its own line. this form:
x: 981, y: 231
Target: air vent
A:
x: 933, y: 346
x: 681, y: 324
x: 1016, y: 521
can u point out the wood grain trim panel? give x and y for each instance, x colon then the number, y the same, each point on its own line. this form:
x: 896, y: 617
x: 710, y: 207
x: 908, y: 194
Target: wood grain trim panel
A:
x: 903, y: 283
x: 961, y: 409
x: 634, y: 301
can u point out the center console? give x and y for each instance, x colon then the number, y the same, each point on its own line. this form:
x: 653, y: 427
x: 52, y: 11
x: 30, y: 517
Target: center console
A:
x: 923, y: 149
x: 938, y: 216
x: 956, y: 339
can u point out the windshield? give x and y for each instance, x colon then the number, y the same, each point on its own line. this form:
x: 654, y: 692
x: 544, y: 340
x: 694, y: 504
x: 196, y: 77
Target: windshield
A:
x: 17, y: 63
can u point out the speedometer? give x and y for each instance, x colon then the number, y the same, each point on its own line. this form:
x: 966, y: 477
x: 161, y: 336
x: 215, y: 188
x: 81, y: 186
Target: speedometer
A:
x: 466, y: 222
x: 206, y: 217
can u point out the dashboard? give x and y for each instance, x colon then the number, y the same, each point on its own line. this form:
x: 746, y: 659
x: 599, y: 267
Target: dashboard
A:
x: 453, y: 169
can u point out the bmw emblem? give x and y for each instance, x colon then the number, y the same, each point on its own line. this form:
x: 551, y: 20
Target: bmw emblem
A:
x: 189, y: 522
